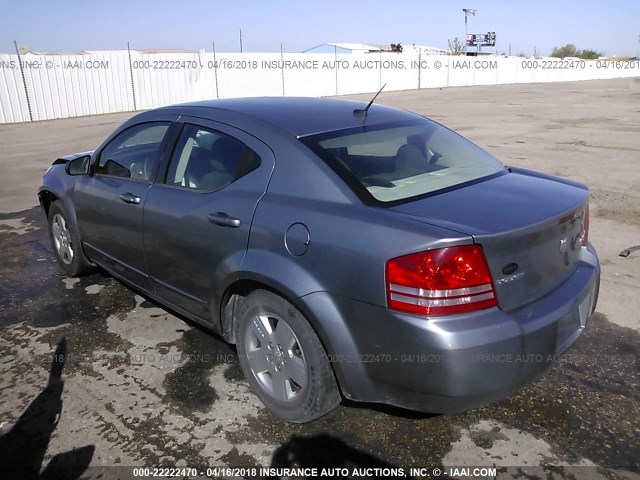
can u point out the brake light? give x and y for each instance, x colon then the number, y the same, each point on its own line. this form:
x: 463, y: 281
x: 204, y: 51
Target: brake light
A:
x: 440, y: 282
x: 585, y: 227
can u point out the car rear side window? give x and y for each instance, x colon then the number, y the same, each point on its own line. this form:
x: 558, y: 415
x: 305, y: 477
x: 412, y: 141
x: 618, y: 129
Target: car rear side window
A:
x: 133, y: 153
x: 206, y: 159
x: 392, y: 163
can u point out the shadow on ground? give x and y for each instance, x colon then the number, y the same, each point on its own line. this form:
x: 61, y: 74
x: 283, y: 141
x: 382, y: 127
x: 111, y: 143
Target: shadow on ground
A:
x: 586, y: 406
x: 23, y: 448
x: 326, y: 451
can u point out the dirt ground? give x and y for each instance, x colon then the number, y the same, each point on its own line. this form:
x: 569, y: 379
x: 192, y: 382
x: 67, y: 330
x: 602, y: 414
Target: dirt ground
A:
x: 142, y: 387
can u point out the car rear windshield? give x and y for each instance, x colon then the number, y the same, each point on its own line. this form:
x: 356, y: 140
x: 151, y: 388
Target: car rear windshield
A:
x: 396, y: 162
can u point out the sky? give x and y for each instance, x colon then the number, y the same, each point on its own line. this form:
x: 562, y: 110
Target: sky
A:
x: 612, y: 27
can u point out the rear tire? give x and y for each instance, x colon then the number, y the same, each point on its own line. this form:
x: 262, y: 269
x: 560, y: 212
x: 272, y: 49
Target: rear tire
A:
x: 66, y: 242
x: 283, y: 360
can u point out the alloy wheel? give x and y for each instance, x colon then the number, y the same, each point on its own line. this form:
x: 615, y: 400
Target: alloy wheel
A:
x: 276, y: 358
x: 62, y: 238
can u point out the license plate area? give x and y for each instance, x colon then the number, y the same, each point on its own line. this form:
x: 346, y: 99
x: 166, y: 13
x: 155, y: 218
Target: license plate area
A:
x: 573, y: 323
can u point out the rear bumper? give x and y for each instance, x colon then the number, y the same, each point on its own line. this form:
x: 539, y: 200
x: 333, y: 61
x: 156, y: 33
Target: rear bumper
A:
x: 446, y: 365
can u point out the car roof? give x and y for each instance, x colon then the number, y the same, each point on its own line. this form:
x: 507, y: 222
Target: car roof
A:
x: 303, y: 116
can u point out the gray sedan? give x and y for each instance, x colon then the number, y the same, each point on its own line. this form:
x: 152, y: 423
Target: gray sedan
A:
x: 347, y: 250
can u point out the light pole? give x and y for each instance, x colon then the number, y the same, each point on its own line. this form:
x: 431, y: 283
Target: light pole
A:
x: 467, y: 12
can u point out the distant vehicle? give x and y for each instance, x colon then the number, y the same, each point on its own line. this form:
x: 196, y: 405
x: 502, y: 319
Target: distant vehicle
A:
x: 365, y: 253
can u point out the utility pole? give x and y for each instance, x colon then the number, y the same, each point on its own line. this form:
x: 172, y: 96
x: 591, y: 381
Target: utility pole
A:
x: 240, y: 40
x: 24, y: 80
x: 467, y: 12
x: 215, y: 68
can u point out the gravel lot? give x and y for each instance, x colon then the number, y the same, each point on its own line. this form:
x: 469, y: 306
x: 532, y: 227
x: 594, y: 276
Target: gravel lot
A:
x: 143, y: 387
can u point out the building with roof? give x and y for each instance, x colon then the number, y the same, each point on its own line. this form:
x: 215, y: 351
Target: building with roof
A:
x: 107, y: 52
x: 43, y: 53
x: 369, y: 48
x: 163, y: 50
x: 344, y: 48
x: 425, y: 49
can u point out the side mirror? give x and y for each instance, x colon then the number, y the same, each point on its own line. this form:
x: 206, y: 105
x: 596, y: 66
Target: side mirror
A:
x: 78, y: 166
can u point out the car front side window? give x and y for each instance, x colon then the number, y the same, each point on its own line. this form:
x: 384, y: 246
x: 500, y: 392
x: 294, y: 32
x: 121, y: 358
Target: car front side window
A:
x: 209, y: 160
x: 134, y: 152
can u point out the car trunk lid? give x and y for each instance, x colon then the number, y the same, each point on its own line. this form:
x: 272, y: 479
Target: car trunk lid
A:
x: 529, y: 227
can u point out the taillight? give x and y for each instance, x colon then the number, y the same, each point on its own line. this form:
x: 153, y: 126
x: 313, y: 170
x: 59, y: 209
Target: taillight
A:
x: 585, y: 227
x: 440, y: 282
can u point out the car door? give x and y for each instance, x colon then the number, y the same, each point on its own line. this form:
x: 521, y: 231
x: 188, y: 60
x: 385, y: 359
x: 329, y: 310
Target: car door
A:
x: 110, y: 202
x: 197, y: 220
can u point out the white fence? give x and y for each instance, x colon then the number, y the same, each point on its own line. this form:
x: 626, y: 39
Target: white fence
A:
x: 58, y: 86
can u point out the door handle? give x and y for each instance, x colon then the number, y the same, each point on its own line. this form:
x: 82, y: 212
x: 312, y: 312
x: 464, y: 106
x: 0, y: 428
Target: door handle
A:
x: 129, y: 198
x: 224, y: 220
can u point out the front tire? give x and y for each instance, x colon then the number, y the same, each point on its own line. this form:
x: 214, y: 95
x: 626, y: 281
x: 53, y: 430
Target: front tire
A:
x: 66, y: 242
x: 283, y: 360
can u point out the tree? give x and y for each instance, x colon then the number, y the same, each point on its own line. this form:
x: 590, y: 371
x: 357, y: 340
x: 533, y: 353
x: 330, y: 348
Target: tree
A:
x: 568, y: 50
x: 455, y: 47
x: 590, y: 54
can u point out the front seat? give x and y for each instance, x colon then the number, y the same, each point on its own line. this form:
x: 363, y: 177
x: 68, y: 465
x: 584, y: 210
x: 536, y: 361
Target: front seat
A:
x: 226, y: 151
x: 204, y: 172
x: 410, y: 161
x: 215, y: 162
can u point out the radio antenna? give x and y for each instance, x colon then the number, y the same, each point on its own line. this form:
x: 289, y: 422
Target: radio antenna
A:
x: 362, y: 112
